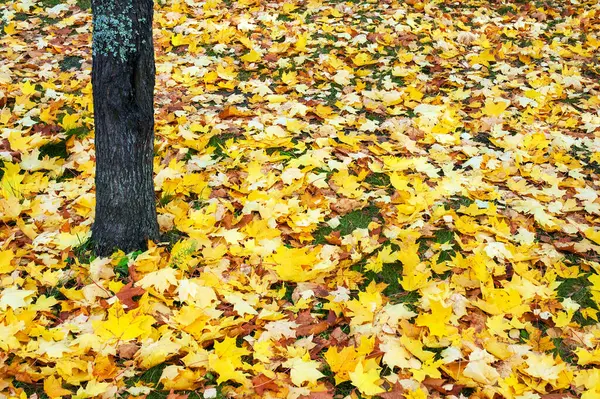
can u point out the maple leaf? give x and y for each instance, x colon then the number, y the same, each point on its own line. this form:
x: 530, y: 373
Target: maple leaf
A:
x: 15, y: 298
x: 437, y: 320
x: 54, y: 389
x: 341, y: 362
x: 122, y: 326
x: 492, y: 108
x: 296, y: 264
x: 367, y: 381
x: 302, y: 370
x: 6, y: 258
x: 262, y: 383
x: 160, y: 280
x: 226, y: 359
x: 127, y: 293
x: 10, y: 184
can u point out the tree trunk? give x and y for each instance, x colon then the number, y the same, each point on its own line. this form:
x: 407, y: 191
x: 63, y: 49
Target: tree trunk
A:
x: 123, y: 89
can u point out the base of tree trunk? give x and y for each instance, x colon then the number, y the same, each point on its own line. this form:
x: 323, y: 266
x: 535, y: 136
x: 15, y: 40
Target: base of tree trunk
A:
x: 128, y: 237
x: 123, y: 90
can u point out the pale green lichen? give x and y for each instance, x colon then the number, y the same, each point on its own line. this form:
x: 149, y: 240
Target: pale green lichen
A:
x: 114, y: 34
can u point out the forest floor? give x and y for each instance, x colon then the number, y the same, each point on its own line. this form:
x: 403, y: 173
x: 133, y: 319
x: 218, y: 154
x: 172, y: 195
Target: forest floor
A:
x: 393, y: 199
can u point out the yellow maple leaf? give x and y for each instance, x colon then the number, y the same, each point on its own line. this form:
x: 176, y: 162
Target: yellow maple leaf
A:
x: 416, y: 394
x: 10, y: 29
x: 252, y: 56
x: 179, y: 378
x: 28, y: 88
x: 483, y: 58
x: 10, y: 185
x: 289, y: 78
x: 386, y: 255
x: 92, y: 389
x: 437, y: 320
x: 362, y: 59
x: 493, y: 108
x: 6, y: 257
x: 226, y: 359
x: 69, y: 122
x: 341, y: 362
x: 585, y: 357
x: 53, y: 387
x: 14, y: 297
x: 181, y: 254
x: 348, y: 184
x: 123, y: 326
x: 323, y: 111
x: 364, y: 308
x: 593, y: 235
x: 301, y: 42
x: 160, y: 280
x: 296, y: 264
x: 179, y: 39
x: 366, y: 379
x: 303, y: 370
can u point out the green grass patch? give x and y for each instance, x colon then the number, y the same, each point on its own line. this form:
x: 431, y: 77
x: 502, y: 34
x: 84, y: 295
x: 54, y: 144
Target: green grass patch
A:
x: 67, y: 175
x: 32, y: 390
x: 70, y: 62
x: 54, y: 149
x: 122, y: 268
x: 21, y: 16
x: 165, y: 199
x: 378, y: 180
x: 84, y: 4
x: 79, y: 132
x: 357, y: 219
x: 444, y: 236
x: 84, y: 252
x: 578, y: 290
x: 244, y: 76
x: 563, y: 351
x: 283, y: 152
x: 171, y: 237
x: 456, y: 202
x: 505, y: 10
x: 49, y: 3
x: 218, y: 142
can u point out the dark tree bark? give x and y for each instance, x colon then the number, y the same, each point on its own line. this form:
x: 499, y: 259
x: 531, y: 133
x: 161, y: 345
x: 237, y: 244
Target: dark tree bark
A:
x: 123, y: 89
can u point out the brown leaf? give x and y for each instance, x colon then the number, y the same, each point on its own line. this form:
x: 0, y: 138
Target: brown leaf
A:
x: 565, y: 245
x: 312, y: 329
x: 334, y: 238
x: 339, y: 336
x: 127, y: 293
x: 133, y: 273
x: 227, y: 221
x: 263, y: 383
x: 318, y: 395
x: 127, y: 351
x: 345, y: 205
x: 435, y: 384
x: 232, y: 111
x: 331, y: 318
x: 244, y: 221
x: 173, y: 395
x: 396, y: 392
x: 220, y: 193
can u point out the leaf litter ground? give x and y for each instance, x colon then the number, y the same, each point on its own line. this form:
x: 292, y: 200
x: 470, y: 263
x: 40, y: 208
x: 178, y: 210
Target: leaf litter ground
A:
x: 375, y: 199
